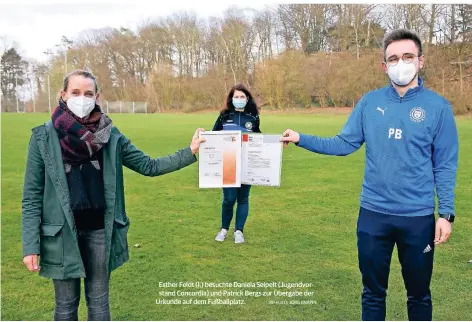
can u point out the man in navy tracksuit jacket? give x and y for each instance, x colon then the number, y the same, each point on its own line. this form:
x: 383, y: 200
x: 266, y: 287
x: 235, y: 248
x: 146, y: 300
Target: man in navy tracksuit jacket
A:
x: 411, y: 152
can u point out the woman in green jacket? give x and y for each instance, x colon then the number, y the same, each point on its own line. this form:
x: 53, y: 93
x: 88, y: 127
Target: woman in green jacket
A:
x: 73, y: 210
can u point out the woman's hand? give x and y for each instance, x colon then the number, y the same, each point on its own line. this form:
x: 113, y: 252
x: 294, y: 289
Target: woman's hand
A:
x: 196, y: 140
x: 31, y: 262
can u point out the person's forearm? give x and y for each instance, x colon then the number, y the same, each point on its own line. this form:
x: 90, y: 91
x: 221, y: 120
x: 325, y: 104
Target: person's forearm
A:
x: 445, y: 183
x: 330, y: 146
x: 445, y: 160
x: 137, y: 161
x: 31, y: 219
x: 173, y: 162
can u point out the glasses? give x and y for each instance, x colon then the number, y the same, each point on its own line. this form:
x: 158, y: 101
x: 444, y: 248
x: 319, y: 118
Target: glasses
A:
x: 406, y: 58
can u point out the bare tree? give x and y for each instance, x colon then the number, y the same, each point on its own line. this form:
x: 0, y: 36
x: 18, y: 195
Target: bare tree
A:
x: 282, y: 53
x: 264, y: 26
x: 308, y: 23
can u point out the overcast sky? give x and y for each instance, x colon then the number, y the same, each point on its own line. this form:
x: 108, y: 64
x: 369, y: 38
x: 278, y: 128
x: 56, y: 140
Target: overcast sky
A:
x: 38, y: 25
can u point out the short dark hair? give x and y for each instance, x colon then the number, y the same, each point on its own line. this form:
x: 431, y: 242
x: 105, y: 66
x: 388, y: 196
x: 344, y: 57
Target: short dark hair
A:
x: 79, y: 72
x: 402, y: 34
x: 251, y: 106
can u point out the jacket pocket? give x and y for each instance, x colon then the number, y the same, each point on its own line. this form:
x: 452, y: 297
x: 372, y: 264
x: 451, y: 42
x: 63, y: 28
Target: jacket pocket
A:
x: 51, y: 245
x: 121, y: 227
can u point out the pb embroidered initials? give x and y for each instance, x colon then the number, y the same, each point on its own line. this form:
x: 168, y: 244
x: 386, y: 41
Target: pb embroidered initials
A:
x: 396, y: 133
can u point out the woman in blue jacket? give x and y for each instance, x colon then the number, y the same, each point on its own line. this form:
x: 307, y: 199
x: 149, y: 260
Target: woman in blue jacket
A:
x: 240, y: 113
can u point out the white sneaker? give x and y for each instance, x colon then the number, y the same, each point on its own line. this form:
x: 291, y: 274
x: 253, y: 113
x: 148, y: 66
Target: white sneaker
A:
x: 221, y: 236
x: 238, y: 237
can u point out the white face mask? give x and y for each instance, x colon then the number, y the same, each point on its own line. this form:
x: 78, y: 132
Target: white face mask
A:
x: 81, y: 105
x: 402, y: 73
x: 239, y: 104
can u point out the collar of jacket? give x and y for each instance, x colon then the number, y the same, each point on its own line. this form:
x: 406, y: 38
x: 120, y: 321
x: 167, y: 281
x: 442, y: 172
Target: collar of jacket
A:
x: 410, y: 93
x: 50, y: 149
x: 232, y: 112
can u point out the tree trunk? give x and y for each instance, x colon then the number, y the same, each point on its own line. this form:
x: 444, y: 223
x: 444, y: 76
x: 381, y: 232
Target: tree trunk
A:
x: 453, y: 23
x: 443, y: 82
x: 459, y: 61
x: 367, y: 40
x: 431, y: 23
x: 431, y: 28
x: 356, y: 29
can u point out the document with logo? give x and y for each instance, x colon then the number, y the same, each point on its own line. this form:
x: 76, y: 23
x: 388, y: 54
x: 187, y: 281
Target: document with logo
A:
x: 261, y: 159
x: 220, y: 159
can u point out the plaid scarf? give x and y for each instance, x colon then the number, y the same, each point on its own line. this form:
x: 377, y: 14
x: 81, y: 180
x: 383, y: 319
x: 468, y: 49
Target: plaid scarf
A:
x: 81, y: 139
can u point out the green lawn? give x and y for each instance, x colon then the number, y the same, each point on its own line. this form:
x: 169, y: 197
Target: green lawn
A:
x: 301, y: 232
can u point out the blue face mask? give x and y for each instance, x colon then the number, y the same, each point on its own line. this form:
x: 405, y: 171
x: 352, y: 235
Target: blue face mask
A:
x: 239, y: 103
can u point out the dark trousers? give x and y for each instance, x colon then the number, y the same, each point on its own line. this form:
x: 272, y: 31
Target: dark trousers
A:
x: 96, y: 283
x: 414, y: 236
x: 230, y: 197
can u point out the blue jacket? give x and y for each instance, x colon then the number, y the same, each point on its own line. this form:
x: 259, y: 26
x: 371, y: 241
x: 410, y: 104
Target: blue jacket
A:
x: 234, y: 121
x: 411, y: 150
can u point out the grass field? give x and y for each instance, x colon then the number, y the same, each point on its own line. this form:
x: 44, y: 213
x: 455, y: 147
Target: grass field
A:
x: 303, y: 231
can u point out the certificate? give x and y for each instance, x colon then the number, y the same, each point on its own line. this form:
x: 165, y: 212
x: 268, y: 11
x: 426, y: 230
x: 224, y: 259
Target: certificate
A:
x: 220, y: 159
x: 261, y: 159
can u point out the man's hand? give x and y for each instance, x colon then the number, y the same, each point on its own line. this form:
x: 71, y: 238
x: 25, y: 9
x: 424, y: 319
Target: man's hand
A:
x: 196, y: 140
x: 31, y: 262
x: 443, y: 231
x: 290, y: 136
